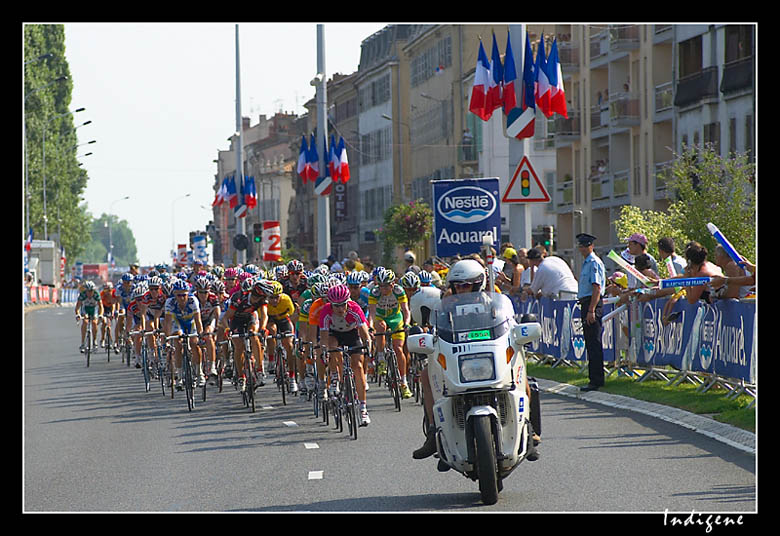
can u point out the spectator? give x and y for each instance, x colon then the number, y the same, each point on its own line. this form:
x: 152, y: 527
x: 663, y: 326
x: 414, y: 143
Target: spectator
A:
x: 409, y: 260
x: 642, y: 263
x: 551, y: 275
x: 637, y: 245
x: 353, y: 256
x: 508, y: 280
x: 666, y: 249
x: 430, y: 267
x: 732, y: 273
x: 699, y: 266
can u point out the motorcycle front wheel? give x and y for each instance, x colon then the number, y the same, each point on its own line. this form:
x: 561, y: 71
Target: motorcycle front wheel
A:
x: 486, y: 459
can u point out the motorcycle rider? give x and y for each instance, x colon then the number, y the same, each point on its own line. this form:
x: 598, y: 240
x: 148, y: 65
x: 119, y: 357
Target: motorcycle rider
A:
x: 464, y: 276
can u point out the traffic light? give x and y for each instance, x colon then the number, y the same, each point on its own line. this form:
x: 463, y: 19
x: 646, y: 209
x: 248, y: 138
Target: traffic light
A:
x: 549, y: 232
x: 257, y: 232
x: 525, y: 183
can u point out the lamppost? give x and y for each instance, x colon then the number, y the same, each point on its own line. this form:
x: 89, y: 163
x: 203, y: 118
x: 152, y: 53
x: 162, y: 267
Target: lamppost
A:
x: 401, y: 195
x: 43, y: 148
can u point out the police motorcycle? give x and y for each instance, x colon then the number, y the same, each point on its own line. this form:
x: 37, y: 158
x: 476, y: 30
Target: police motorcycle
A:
x: 477, y: 372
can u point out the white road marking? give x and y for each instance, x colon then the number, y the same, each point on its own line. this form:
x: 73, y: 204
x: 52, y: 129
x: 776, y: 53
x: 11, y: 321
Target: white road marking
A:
x: 311, y: 445
x: 315, y: 475
x: 290, y: 423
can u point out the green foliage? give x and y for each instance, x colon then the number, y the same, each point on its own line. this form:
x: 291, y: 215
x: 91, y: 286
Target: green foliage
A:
x: 707, y: 188
x: 710, y: 188
x: 122, y: 237
x: 406, y: 225
x: 46, y: 108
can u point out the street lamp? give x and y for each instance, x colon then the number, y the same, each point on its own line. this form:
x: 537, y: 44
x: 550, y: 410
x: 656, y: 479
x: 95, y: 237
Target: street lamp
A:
x: 400, y: 154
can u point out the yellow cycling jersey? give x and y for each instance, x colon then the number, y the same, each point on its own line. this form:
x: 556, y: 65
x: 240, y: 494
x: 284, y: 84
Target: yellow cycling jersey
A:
x: 282, y: 310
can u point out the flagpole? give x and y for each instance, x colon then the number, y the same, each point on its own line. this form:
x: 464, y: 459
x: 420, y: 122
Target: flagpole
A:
x: 240, y: 222
x: 323, y: 202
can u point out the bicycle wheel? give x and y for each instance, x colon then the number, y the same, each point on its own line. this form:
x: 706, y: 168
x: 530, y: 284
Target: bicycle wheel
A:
x: 88, y: 349
x: 145, y: 367
x: 188, y: 388
x: 350, y: 394
x: 250, y: 388
x: 393, y: 379
x: 108, y: 343
x: 282, y: 378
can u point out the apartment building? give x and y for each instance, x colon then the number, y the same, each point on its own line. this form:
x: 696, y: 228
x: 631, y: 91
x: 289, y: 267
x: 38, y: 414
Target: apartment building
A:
x: 638, y: 93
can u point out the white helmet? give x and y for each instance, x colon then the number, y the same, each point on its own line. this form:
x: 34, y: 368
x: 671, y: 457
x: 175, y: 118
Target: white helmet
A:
x: 467, y: 271
x: 409, y: 257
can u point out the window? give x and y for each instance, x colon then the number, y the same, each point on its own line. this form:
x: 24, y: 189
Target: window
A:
x: 712, y: 135
x: 429, y: 61
x: 739, y: 42
x: 690, y: 57
x: 375, y: 93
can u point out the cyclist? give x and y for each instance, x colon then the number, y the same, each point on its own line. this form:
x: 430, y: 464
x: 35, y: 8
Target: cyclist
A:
x: 247, y: 312
x: 123, y: 296
x: 280, y: 309
x: 152, y: 306
x: 319, y: 293
x: 389, y: 311
x: 92, y: 304
x: 137, y: 323
x: 182, y: 314
x: 108, y: 297
x: 346, y: 326
x: 210, y: 304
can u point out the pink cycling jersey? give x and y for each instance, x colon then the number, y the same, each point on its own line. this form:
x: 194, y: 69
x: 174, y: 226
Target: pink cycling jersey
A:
x: 352, y: 319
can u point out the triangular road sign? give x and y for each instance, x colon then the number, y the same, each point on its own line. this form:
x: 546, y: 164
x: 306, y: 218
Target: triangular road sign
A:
x: 528, y: 189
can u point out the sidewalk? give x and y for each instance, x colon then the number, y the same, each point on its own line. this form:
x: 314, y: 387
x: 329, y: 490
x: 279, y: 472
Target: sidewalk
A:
x: 730, y: 435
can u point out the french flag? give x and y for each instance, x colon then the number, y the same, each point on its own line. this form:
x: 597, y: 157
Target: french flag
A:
x: 542, y: 89
x: 334, y: 163
x: 520, y: 121
x: 232, y: 194
x: 343, y: 161
x: 250, y: 192
x: 313, y: 158
x: 303, y: 164
x: 493, y: 101
x: 508, y: 97
x: 481, y: 87
x: 555, y: 75
x: 28, y: 242
x: 221, y: 194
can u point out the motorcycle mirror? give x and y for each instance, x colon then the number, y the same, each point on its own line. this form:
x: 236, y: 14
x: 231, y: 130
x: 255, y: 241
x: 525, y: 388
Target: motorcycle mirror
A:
x: 420, y: 344
x: 527, y: 332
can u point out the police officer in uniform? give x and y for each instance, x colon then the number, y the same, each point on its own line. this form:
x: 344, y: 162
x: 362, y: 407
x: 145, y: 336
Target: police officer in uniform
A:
x: 590, y: 286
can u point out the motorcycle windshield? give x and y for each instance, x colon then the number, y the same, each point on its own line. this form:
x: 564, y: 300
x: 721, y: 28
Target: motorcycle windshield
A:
x: 474, y: 317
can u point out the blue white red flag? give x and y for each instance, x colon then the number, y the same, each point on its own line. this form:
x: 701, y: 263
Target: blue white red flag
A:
x: 221, y: 195
x: 481, y: 87
x: 343, y: 161
x: 542, y: 88
x: 334, y: 166
x: 521, y: 120
x: 232, y: 194
x: 303, y: 164
x: 508, y: 98
x: 28, y: 242
x: 314, y: 160
x: 494, y: 99
x: 555, y: 75
x: 250, y: 192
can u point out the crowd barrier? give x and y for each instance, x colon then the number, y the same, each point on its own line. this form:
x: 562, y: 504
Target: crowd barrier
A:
x: 708, y: 344
x: 37, y: 294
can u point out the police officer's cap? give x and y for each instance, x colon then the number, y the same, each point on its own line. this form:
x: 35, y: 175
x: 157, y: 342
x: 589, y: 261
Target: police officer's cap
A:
x: 584, y: 239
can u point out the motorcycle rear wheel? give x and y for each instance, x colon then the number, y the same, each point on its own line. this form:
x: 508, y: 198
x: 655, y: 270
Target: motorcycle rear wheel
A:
x: 486, y: 459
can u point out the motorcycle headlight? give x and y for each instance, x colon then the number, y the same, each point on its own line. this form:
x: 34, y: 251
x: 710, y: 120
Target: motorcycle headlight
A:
x: 476, y: 367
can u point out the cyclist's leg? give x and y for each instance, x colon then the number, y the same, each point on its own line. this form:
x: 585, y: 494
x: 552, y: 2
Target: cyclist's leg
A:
x: 271, y: 346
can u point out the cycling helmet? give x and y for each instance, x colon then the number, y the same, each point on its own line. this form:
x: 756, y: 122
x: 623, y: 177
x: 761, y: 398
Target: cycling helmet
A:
x: 355, y: 278
x: 314, y: 278
x: 410, y: 280
x: 467, y: 271
x: 89, y: 285
x: 109, y: 285
x: 252, y: 269
x: 179, y: 285
x: 320, y: 290
x: 138, y: 291
x: 280, y: 271
x: 127, y: 278
x: 338, y: 278
x: 323, y: 269
x: 385, y: 277
x: 156, y: 281
x: 218, y: 271
x: 247, y: 284
x: 230, y: 273
x: 153, y: 273
x: 202, y: 283
x: 262, y: 287
x: 425, y: 277
x: 376, y: 270
x: 276, y: 288
x: 243, y: 276
x: 218, y: 287
x: 338, y: 294
x: 295, y: 266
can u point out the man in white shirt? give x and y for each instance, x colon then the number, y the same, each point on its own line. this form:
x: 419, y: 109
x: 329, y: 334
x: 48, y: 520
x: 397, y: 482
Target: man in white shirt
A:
x: 551, y: 275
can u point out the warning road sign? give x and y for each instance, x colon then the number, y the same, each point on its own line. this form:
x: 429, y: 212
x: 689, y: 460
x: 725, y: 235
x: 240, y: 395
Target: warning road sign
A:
x: 525, y: 186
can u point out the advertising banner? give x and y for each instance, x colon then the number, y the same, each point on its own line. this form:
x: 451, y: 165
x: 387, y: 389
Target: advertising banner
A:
x: 272, y: 241
x: 199, y: 252
x: 464, y: 211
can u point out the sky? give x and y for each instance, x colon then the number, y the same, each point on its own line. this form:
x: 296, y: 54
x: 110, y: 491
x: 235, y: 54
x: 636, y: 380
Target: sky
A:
x: 161, y: 98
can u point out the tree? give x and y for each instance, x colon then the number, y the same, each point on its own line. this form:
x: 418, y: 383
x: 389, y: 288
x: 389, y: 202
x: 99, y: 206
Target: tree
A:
x: 705, y: 188
x: 47, y: 90
x: 406, y: 225
x: 96, y: 249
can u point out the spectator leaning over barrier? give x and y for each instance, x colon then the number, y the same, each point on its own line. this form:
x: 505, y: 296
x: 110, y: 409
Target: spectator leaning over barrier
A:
x: 699, y: 266
x: 508, y: 280
x: 430, y: 267
x: 551, y: 276
x: 744, y: 280
x: 730, y: 288
x: 666, y: 249
x: 637, y: 245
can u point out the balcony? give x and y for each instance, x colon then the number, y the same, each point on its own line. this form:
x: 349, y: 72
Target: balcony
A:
x: 697, y: 87
x: 567, y: 129
x: 622, y: 38
x: 564, y: 196
x: 569, y: 56
x: 737, y: 75
x: 661, y: 169
x: 624, y: 110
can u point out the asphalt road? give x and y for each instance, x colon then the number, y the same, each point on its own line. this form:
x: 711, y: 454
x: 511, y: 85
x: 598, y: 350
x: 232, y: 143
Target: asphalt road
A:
x: 95, y: 441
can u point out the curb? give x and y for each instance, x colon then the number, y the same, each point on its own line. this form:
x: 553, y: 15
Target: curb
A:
x: 725, y: 433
